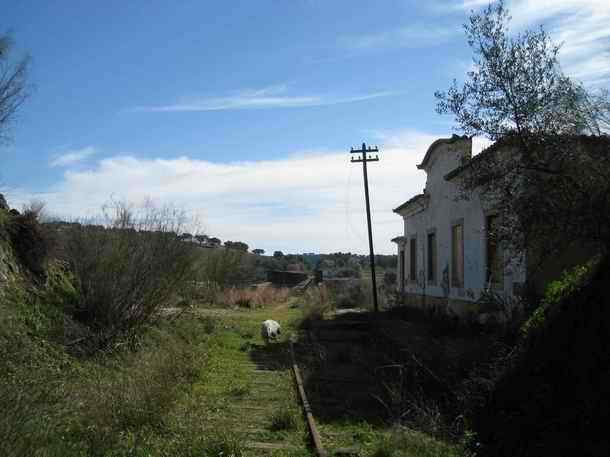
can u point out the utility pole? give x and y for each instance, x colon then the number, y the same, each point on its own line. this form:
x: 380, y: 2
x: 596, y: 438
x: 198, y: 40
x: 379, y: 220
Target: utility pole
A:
x: 364, y: 158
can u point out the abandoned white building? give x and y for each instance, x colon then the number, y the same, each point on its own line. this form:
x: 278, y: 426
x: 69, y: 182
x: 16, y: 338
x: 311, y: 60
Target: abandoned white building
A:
x: 446, y: 257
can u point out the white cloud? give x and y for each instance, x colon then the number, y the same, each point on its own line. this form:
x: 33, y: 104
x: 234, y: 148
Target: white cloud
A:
x: 473, y: 4
x: 307, y: 202
x: 480, y: 143
x: 408, y: 36
x: 268, y: 97
x: 71, y: 157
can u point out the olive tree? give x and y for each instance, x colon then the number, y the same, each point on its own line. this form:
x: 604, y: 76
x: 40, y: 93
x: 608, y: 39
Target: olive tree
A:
x: 548, y: 172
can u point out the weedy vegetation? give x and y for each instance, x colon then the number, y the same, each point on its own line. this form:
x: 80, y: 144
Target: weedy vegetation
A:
x: 98, y: 354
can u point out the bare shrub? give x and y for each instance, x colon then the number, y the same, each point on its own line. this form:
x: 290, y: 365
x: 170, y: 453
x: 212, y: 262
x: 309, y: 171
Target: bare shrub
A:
x: 405, y: 401
x: 128, y: 268
x: 316, y: 303
x: 14, y: 88
x: 253, y: 297
x: 354, y: 293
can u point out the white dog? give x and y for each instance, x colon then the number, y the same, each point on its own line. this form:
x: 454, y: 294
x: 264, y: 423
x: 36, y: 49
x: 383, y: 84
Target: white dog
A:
x: 270, y: 330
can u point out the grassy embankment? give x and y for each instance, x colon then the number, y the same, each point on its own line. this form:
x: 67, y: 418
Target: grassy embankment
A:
x: 203, y: 384
x: 90, y: 365
x: 181, y: 387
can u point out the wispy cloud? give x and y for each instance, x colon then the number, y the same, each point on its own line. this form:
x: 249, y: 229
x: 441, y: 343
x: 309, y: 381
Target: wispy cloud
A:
x: 309, y: 201
x: 408, y: 36
x: 473, y: 4
x: 71, y: 157
x: 583, y: 26
x: 268, y: 97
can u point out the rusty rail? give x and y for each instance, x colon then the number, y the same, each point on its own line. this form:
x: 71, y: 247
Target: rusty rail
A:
x: 311, y: 423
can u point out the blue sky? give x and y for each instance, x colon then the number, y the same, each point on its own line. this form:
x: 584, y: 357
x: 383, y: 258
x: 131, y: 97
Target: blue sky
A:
x: 243, y: 112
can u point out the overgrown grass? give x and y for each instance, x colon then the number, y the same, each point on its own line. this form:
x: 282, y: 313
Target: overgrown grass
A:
x: 90, y: 367
x: 285, y: 418
x: 571, y: 282
x: 58, y: 404
x: 405, y: 442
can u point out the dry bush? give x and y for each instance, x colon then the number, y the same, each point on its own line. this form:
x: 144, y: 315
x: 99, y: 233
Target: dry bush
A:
x: 30, y: 241
x: 128, y: 268
x: 353, y: 294
x: 253, y: 298
x: 316, y: 302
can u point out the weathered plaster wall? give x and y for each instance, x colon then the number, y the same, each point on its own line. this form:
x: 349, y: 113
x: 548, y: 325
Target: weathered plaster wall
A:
x: 442, y: 211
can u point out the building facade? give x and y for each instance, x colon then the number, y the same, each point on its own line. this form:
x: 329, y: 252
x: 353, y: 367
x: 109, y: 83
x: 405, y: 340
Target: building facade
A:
x: 447, y: 254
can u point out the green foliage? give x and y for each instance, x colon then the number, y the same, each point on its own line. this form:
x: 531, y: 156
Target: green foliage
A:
x: 557, y: 291
x: 209, y: 324
x: 549, y: 183
x: 237, y: 245
x: 61, y: 290
x: 516, y: 84
x: 224, y: 267
x: 404, y: 442
x: 571, y: 281
x: 56, y: 405
x: 40, y: 308
x: 135, y: 391
x: 533, y: 323
x: 5, y: 217
x: 284, y: 418
x: 547, y: 393
x: 222, y: 445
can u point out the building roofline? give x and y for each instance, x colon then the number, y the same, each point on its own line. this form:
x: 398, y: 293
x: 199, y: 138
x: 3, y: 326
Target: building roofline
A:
x: 512, y: 140
x: 437, y: 143
x: 483, y: 155
x: 408, y: 203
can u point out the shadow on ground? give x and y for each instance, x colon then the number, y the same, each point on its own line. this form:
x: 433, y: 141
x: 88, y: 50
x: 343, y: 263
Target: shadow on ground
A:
x: 338, y: 360
x: 382, y: 367
x: 273, y: 356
